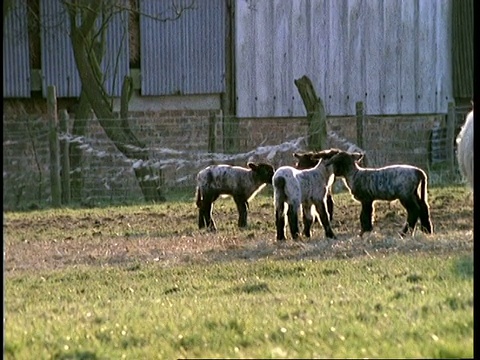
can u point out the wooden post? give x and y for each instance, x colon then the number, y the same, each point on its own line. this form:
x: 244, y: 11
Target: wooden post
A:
x: 212, y: 125
x: 360, y: 114
x: 230, y: 134
x: 450, y: 141
x: 317, y: 120
x: 65, y: 158
x: 55, y: 183
x: 230, y: 125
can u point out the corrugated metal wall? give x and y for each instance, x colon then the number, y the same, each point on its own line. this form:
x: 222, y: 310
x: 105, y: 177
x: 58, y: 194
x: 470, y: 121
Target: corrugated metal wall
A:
x: 116, y: 62
x: 58, y: 63
x: 395, y: 56
x: 16, y: 54
x: 184, y: 56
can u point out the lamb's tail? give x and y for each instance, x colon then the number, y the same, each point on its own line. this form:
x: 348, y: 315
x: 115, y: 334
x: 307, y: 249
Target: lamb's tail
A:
x: 423, y: 186
x: 279, y: 189
x: 279, y: 183
x: 199, y: 197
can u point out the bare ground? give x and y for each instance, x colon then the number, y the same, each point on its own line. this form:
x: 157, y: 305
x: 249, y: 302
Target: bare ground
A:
x: 161, y: 234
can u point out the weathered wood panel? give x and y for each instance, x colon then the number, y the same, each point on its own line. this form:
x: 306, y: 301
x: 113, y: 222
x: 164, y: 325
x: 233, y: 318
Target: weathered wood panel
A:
x: 395, y: 56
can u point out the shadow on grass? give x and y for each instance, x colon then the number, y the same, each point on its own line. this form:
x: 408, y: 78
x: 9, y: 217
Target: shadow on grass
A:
x: 463, y: 266
x: 76, y: 355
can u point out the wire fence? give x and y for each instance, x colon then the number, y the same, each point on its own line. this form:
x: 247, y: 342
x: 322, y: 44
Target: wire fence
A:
x: 179, y: 146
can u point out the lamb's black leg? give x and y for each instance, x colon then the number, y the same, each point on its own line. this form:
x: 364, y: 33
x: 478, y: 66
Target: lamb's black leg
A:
x: 324, y: 218
x: 242, y: 208
x: 207, y: 213
x: 280, y: 222
x: 427, y: 226
x: 307, y: 220
x: 330, y: 206
x: 366, y: 216
x: 201, y: 217
x: 292, y: 214
x: 413, y: 211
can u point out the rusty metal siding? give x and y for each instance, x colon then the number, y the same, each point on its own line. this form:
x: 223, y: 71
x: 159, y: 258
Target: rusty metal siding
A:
x: 395, y: 56
x: 186, y: 55
x: 16, y: 53
x: 58, y: 63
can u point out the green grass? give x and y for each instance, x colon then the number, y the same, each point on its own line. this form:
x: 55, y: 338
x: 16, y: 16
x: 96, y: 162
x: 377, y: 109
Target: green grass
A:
x: 397, y: 306
x: 142, y: 282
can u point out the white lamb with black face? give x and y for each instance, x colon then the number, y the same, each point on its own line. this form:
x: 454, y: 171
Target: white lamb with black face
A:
x: 395, y: 182
x: 239, y: 182
x: 300, y: 189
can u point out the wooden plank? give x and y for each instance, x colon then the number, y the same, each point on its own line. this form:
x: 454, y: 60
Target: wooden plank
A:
x: 408, y: 30
x: 373, y: 62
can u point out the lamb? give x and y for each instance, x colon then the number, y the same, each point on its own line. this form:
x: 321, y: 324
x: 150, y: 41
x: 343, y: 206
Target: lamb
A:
x: 465, y: 149
x: 308, y: 160
x: 389, y: 183
x: 300, y: 189
x: 239, y: 182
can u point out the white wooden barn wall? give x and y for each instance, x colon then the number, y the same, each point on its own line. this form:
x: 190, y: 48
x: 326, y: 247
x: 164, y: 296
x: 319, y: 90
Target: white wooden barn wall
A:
x: 395, y: 56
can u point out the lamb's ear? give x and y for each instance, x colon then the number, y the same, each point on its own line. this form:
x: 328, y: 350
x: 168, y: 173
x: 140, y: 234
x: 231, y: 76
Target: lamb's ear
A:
x: 357, y: 156
x: 252, y: 165
x: 324, y: 154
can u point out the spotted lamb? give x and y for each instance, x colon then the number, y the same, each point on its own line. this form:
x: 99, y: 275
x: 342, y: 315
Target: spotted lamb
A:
x: 308, y: 160
x: 389, y: 183
x: 239, y: 182
x: 306, y: 190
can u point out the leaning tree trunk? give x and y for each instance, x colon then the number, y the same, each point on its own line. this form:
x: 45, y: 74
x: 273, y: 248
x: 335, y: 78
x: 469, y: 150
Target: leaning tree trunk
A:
x: 150, y: 188
x: 117, y: 130
x: 317, y: 120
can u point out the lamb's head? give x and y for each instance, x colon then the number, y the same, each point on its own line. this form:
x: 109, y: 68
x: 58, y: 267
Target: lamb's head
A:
x: 305, y: 160
x: 262, y: 172
x: 343, y: 162
x: 310, y: 159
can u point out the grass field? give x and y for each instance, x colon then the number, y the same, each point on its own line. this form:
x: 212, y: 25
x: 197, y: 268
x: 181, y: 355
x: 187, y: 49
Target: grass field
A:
x: 143, y: 282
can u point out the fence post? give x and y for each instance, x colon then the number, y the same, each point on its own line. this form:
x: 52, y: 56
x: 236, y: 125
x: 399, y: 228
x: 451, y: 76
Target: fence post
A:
x: 450, y: 141
x: 65, y: 157
x: 360, y: 114
x: 212, y: 133
x: 55, y: 184
x: 230, y: 134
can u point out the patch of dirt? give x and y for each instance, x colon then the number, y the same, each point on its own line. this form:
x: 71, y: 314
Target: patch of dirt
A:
x: 158, y: 234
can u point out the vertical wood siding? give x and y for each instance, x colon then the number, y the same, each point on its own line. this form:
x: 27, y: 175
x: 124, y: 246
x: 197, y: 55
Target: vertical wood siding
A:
x: 16, y: 53
x: 395, y: 56
x: 58, y: 63
x: 186, y: 55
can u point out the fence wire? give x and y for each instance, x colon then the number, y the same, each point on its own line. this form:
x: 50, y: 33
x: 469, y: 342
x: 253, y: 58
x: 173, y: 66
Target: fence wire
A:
x: 179, y: 147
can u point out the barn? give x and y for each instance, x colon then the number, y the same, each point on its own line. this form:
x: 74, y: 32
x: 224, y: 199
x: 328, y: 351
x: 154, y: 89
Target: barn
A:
x: 214, y: 81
